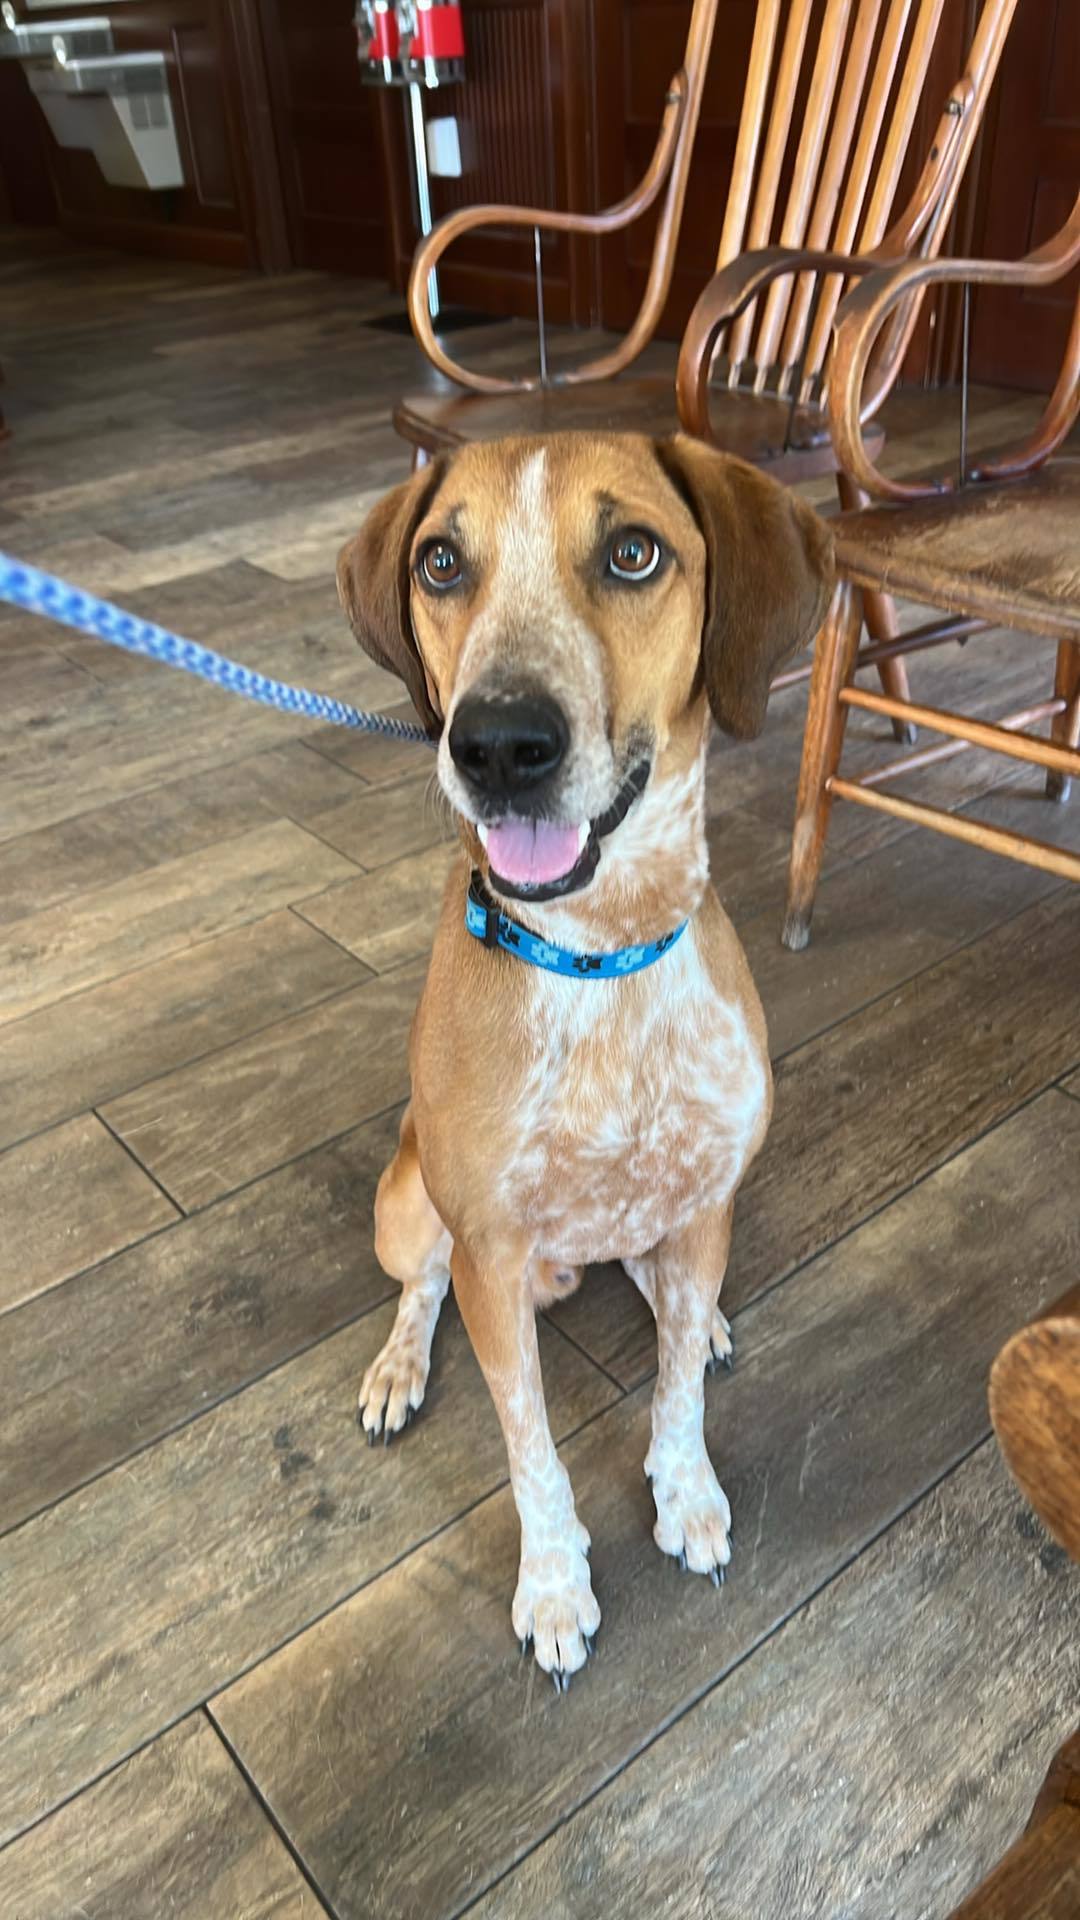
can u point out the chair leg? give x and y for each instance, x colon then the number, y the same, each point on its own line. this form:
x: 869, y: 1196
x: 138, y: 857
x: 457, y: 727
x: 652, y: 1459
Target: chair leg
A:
x: 1065, y: 730
x: 834, y: 663
x: 882, y: 624
x: 881, y: 621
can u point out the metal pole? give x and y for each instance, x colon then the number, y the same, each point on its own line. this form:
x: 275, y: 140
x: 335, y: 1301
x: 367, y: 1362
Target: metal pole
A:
x: 964, y: 385
x: 423, y: 196
x: 540, y: 306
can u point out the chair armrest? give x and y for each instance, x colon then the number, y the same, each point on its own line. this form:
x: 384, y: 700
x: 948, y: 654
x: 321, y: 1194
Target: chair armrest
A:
x: 865, y: 311
x: 727, y: 295
x: 609, y: 220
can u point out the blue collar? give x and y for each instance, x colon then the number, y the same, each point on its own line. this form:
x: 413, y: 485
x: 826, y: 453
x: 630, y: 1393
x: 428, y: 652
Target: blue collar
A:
x: 487, y: 922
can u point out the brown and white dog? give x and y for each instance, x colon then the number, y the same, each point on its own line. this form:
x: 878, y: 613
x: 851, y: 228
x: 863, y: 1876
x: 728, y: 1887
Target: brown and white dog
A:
x: 565, y: 612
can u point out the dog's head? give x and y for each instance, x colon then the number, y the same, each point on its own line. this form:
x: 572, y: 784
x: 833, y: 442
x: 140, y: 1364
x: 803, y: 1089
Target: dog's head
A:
x: 559, y: 608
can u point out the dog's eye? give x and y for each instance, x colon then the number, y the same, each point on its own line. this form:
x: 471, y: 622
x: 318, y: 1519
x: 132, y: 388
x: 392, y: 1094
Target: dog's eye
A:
x: 635, y: 555
x: 440, y: 564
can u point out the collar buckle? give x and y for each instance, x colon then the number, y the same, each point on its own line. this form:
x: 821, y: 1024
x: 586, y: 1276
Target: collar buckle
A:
x: 479, y: 897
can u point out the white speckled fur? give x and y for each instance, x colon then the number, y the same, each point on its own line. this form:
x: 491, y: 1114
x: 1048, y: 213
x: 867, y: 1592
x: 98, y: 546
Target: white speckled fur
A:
x: 692, y: 1052
x: 692, y: 1514
x: 554, y: 1604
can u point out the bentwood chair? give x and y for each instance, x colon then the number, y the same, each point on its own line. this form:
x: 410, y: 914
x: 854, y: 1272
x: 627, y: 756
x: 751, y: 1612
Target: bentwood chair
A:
x: 996, y: 546
x: 1035, y: 1408
x: 832, y: 98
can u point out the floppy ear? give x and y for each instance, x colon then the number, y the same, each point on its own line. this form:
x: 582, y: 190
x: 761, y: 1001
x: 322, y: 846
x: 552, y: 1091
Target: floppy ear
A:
x: 373, y: 587
x: 769, y: 576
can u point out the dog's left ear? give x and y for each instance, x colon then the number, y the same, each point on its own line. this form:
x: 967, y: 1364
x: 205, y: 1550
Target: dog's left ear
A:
x: 373, y: 587
x: 769, y: 576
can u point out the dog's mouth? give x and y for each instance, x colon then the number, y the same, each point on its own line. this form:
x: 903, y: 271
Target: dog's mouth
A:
x: 541, y: 860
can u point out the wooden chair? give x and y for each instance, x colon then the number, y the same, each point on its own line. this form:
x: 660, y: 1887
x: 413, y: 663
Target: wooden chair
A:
x: 1035, y: 1408
x: 867, y: 62
x: 997, y: 546
x: 862, y: 67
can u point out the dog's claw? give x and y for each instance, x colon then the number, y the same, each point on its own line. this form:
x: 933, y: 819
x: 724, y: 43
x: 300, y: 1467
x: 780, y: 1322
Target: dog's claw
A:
x: 681, y: 1562
x: 590, y: 1644
x: 372, y: 1436
x: 716, y: 1575
x: 561, y: 1680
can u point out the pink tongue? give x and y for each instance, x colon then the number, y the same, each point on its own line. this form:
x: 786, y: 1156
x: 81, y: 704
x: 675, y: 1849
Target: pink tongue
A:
x: 530, y: 852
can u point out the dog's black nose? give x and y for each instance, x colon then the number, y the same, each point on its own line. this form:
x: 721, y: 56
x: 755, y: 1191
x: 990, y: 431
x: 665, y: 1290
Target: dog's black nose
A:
x: 506, y: 744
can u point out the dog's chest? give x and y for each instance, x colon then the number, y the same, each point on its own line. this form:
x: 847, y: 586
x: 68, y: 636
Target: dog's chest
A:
x: 639, y: 1109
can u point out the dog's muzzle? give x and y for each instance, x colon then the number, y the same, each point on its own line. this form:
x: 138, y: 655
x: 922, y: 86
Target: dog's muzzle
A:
x: 532, y: 846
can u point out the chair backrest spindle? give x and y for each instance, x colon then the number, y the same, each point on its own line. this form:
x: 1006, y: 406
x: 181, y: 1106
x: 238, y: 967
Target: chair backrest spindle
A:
x: 799, y: 329
x: 749, y: 136
x: 847, y: 150
x: 768, y: 185
x: 804, y: 175
x: 855, y: 190
x: 889, y: 167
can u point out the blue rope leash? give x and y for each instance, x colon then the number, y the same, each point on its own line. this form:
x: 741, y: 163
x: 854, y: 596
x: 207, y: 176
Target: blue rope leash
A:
x: 25, y: 586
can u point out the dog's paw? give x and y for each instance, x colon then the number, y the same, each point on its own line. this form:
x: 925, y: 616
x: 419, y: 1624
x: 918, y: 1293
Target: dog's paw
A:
x: 556, y: 1608
x: 393, y: 1387
x: 693, y: 1519
x: 721, y: 1345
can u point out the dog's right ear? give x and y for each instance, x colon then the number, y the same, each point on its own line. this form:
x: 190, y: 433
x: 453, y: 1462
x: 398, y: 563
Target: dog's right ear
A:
x: 373, y: 587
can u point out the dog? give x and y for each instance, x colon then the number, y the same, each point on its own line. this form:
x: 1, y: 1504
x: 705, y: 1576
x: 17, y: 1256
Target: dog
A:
x: 589, y: 1066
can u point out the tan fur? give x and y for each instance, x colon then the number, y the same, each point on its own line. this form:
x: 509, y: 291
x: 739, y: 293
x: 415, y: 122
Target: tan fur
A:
x: 557, y: 1122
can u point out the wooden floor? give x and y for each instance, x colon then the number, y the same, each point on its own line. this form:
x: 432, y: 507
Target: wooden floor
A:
x: 250, y: 1668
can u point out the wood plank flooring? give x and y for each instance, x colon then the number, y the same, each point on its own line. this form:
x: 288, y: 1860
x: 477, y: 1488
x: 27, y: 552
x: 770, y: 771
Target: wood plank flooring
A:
x: 253, y: 1669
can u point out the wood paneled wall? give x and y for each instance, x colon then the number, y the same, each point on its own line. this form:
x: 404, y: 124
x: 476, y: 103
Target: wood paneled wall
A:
x: 212, y: 217
x: 328, y: 137
x: 1031, y: 178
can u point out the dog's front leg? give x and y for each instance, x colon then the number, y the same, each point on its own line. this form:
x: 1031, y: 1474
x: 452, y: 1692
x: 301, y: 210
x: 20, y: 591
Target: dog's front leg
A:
x: 721, y: 1346
x: 413, y: 1246
x: 693, y: 1519
x: 554, y: 1605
